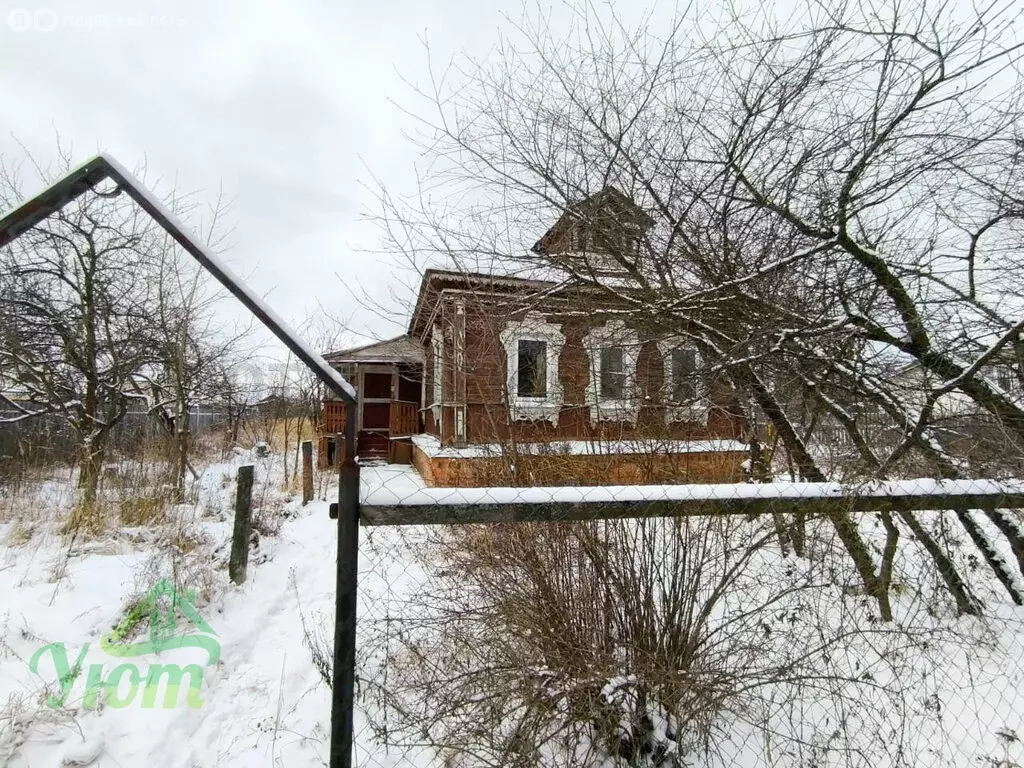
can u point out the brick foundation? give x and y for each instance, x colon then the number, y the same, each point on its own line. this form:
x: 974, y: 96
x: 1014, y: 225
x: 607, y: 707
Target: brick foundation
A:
x: 555, y: 470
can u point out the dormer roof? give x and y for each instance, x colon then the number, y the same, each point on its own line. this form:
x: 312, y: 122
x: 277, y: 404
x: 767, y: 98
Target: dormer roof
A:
x: 605, y: 211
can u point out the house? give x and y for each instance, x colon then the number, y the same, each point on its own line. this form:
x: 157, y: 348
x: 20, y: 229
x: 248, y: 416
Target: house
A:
x: 505, y: 380
x: 274, y: 405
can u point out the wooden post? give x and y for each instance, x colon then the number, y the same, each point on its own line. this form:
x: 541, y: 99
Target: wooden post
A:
x: 239, y: 561
x: 307, y: 472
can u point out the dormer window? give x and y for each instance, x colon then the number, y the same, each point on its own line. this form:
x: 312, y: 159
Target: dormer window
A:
x: 1005, y: 379
x: 605, y: 228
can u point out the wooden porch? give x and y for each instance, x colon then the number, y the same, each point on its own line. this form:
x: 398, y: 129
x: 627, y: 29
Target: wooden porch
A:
x: 384, y: 420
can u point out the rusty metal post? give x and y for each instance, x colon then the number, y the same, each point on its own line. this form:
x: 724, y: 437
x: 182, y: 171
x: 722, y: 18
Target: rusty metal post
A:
x: 343, y: 688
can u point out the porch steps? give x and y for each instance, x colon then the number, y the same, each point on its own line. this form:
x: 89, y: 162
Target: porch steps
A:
x: 372, y: 445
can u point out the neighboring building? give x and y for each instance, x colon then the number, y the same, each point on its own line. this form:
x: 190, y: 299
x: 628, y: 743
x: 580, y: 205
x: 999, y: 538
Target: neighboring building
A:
x: 511, y: 381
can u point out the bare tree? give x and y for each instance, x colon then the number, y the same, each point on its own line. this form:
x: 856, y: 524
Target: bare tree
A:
x: 838, y: 201
x: 326, y: 333
x: 78, y: 292
x: 196, y: 346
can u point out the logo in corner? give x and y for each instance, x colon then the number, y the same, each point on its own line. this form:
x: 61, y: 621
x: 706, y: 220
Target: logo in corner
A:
x: 168, y: 612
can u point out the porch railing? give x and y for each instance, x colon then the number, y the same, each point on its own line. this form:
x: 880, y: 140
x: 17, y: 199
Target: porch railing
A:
x: 334, y: 417
x: 404, y: 418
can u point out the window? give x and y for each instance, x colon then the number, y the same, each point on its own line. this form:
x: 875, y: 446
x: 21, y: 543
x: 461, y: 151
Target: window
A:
x: 612, y: 389
x: 437, y: 353
x: 685, y: 392
x: 1004, y: 378
x: 532, y: 369
x: 532, y: 347
x: 613, y: 374
x: 683, y: 376
x: 348, y: 371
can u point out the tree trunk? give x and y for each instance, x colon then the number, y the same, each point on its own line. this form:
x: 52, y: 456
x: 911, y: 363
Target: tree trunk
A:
x: 993, y: 558
x: 995, y: 561
x: 966, y: 603
x: 90, y: 465
x: 1011, y: 530
x: 182, y: 438
x: 892, y: 538
x: 844, y: 525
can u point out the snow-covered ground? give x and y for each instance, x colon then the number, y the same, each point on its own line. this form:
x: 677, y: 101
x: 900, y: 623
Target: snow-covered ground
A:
x: 263, y: 702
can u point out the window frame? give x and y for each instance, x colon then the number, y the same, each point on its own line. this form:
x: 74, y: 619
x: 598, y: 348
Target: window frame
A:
x: 437, y: 374
x: 613, y: 333
x: 605, y: 375
x: 533, y: 327
x: 1005, y: 379
x: 691, y: 379
x: 541, y: 358
x: 696, y: 410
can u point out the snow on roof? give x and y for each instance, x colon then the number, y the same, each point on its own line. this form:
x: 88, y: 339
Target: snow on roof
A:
x: 431, y: 446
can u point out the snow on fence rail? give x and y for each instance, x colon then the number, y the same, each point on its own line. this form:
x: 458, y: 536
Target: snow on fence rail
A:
x: 390, y: 497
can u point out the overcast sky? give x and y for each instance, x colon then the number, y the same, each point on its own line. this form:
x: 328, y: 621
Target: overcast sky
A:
x: 284, y: 105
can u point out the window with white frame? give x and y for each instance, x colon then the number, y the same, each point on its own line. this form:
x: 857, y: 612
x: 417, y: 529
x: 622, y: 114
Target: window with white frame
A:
x: 532, y: 368
x: 532, y: 347
x: 613, y: 374
x: 612, y: 394
x: 685, y: 391
x: 1005, y: 379
x: 437, y: 356
x: 683, y: 384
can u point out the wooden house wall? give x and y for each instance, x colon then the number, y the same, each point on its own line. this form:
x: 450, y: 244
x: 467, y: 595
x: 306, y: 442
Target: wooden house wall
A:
x: 486, y: 371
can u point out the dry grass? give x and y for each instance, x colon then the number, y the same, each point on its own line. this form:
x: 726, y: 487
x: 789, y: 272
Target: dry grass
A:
x: 278, y: 433
x: 87, y: 520
x: 137, y: 511
x: 19, y: 533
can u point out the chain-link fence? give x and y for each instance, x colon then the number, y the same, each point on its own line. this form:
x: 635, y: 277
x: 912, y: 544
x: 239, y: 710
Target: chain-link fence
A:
x: 796, y: 624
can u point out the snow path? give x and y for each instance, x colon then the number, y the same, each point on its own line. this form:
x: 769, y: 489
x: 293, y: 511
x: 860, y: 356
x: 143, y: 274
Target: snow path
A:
x: 260, y: 628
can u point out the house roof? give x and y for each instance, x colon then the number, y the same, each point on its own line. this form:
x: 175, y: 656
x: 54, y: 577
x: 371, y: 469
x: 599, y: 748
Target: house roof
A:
x: 609, y: 202
x: 399, y: 350
x: 436, y: 280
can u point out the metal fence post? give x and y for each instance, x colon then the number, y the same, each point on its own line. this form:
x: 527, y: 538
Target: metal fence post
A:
x: 343, y: 688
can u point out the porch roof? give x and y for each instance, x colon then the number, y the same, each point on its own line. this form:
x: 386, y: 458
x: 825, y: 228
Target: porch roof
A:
x: 401, y: 350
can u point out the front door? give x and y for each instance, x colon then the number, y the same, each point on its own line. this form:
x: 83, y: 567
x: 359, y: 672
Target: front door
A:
x: 376, y: 392
x: 375, y: 399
